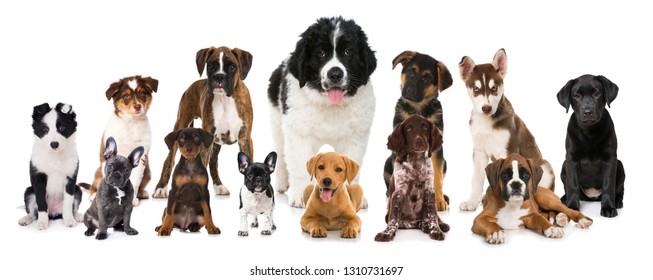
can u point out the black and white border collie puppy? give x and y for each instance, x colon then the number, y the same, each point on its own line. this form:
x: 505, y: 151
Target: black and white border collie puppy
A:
x: 53, y: 168
x: 321, y: 94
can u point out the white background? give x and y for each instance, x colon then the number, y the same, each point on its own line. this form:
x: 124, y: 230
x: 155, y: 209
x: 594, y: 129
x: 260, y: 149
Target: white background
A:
x: 63, y: 51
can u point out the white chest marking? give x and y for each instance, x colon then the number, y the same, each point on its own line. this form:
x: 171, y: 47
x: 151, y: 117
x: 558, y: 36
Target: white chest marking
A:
x: 255, y: 203
x: 494, y: 142
x: 509, y: 216
x: 226, y: 120
x: 120, y: 194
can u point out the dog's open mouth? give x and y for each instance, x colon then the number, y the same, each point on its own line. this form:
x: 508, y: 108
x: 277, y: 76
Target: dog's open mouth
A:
x: 326, y: 194
x: 335, y: 95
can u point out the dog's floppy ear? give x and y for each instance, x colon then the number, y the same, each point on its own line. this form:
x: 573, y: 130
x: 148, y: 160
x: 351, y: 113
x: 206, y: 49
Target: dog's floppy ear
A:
x: 466, y: 66
x: 444, y: 77
x: 243, y: 162
x: 370, y: 61
x: 245, y: 60
x: 40, y: 110
x: 500, y: 62
x: 492, y: 171
x: 397, y: 142
x: 151, y: 84
x: 110, y: 148
x: 352, y: 168
x: 271, y: 161
x: 402, y: 58
x: 201, y: 57
x: 311, y: 164
x: 113, y: 89
x: 564, y: 94
x: 536, y: 174
x: 135, y: 156
x: 611, y: 89
x: 435, y: 139
x: 296, y: 61
x: 207, y: 137
x: 171, y: 138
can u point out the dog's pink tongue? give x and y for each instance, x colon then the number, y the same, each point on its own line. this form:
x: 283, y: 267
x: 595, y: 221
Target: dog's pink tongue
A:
x: 336, y: 94
x: 326, y: 195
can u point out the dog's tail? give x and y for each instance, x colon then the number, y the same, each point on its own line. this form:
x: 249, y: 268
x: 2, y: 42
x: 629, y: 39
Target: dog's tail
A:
x: 85, y: 186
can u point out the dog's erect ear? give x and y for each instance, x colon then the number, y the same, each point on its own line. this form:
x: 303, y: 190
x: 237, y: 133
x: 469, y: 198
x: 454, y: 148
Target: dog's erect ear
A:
x: 135, y: 156
x: 444, y: 77
x: 435, y: 139
x: 611, y: 89
x: 151, y: 84
x: 466, y: 66
x: 536, y: 175
x: 311, y: 165
x: 271, y: 161
x: 201, y: 58
x: 243, y: 162
x: 110, y: 148
x: 171, y: 138
x: 492, y: 172
x: 245, y: 59
x: 113, y: 89
x: 397, y: 142
x: 500, y: 62
x: 403, y: 58
x: 352, y: 168
x: 564, y: 94
x: 207, y: 137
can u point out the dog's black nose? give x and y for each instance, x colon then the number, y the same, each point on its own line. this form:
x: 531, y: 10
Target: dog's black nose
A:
x: 219, y: 77
x: 54, y: 145
x: 326, y: 182
x: 515, y: 185
x: 335, y: 74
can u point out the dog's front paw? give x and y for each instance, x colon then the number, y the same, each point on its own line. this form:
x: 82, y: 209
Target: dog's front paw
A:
x: 444, y: 226
x: 194, y: 227
x: 79, y: 217
x: 296, y: 202
x: 26, y: 220
x: 160, y: 193
x: 436, y: 235
x: 161, y: 231
x: 266, y: 232
x: 143, y: 195
x: 89, y: 232
x: 131, y: 231
x: 384, y: 236
x: 101, y: 236
x: 496, y: 237
x: 220, y: 190
x: 69, y: 222
x: 136, y: 201
x: 441, y: 204
x: 469, y: 205
x: 554, y: 232
x: 243, y: 233
x: 348, y: 232
x: 562, y: 219
x: 584, y: 223
x: 318, y: 232
x: 213, y: 230
x: 609, y: 212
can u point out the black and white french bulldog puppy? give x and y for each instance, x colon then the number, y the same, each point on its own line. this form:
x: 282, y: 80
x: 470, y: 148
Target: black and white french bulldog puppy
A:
x: 257, y: 194
x: 112, y: 206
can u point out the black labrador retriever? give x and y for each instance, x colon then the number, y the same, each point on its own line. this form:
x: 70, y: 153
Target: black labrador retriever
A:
x: 591, y: 170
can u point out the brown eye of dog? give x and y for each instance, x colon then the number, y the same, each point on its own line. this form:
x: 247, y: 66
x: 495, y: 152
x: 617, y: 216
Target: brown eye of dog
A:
x: 409, y: 129
x: 425, y: 128
x: 596, y: 94
x: 321, y: 167
x: 232, y: 68
x: 524, y: 174
x: 181, y: 141
x: 338, y: 169
x: 321, y: 53
x: 506, y: 175
x: 196, y: 139
x: 576, y: 96
x: 410, y: 72
x: 126, y: 98
x: 347, y: 51
x: 141, y: 95
x: 427, y: 78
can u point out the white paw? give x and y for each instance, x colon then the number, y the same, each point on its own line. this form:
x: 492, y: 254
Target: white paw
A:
x: 136, y: 201
x: 584, y: 223
x: 42, y: 225
x: 160, y: 193
x: 79, y: 217
x: 496, y: 238
x: 296, y: 201
x: 220, y: 190
x: 26, y: 220
x: 282, y: 185
x: 69, y: 222
x: 468, y: 205
x: 562, y: 219
x: 554, y: 232
x: 92, y: 197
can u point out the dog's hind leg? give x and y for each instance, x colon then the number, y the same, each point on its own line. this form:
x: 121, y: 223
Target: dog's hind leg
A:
x: 621, y: 178
x: 218, y: 187
x: 30, y: 208
x: 184, y: 119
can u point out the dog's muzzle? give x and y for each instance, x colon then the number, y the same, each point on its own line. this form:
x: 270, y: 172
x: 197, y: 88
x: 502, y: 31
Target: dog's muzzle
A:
x: 515, y: 191
x: 335, y: 84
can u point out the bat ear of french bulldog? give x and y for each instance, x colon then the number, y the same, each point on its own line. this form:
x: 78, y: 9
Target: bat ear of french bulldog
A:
x: 243, y: 162
x: 110, y: 148
x: 170, y: 139
x: 135, y: 156
x: 403, y: 58
x: 492, y: 172
x: 271, y: 161
x: 611, y: 89
x: 564, y: 95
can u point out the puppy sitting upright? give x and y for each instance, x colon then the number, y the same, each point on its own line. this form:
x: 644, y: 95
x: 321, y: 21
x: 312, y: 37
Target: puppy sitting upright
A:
x: 188, y: 202
x: 53, y: 168
x: 257, y: 194
x: 112, y: 206
x: 422, y: 80
x: 412, y: 199
x: 333, y: 202
x: 591, y: 170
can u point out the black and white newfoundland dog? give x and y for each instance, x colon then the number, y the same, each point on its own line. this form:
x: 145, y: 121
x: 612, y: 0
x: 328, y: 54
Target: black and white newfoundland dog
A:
x: 321, y: 94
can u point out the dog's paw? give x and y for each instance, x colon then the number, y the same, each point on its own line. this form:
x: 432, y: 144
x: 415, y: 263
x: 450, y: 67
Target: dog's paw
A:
x: 274, y: 227
x: 69, y: 222
x: 436, y: 235
x: 213, y: 230
x: 444, y: 226
x: 562, y: 219
x: 384, y: 236
x: 194, y: 227
x: 468, y: 205
x: 136, y: 201
x: 266, y: 232
x: 89, y: 232
x: 243, y: 233
x: 220, y: 190
x: 609, y: 212
x: 296, y: 202
x: 26, y: 220
x: 160, y: 193
x: 143, y: 195
x: 584, y: 223
x: 348, y: 232
x: 318, y: 232
x: 254, y: 224
x: 496, y: 238
x: 101, y: 236
x: 554, y: 232
x: 131, y: 231
x: 161, y: 231
x: 441, y: 205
